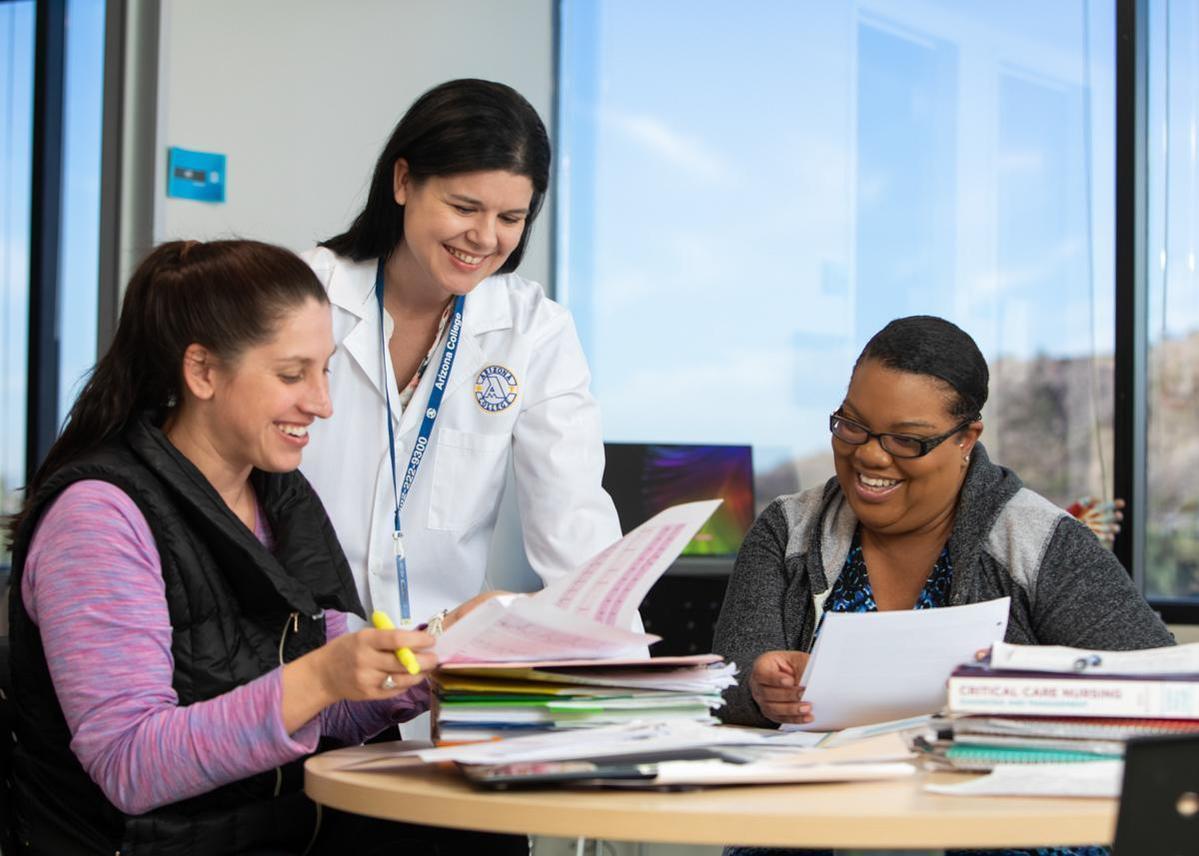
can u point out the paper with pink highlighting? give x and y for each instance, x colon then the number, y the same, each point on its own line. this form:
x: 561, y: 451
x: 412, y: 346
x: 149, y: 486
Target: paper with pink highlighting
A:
x: 611, y: 586
x: 582, y: 615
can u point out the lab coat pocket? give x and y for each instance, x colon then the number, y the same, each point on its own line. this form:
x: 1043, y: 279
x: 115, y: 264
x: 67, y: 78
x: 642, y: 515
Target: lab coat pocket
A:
x: 468, y: 476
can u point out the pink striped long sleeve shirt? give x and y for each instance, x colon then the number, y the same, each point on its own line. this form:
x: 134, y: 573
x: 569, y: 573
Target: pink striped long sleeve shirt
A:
x: 93, y: 585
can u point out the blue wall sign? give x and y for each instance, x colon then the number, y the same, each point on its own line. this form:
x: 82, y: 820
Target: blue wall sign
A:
x: 195, y: 175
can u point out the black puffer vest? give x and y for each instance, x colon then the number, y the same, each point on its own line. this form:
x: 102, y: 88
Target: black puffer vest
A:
x: 236, y: 612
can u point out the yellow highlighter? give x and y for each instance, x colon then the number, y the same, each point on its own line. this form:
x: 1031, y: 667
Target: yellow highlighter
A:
x: 404, y: 655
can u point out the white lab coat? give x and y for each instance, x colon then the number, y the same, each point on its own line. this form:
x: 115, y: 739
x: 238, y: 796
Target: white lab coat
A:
x: 550, y: 432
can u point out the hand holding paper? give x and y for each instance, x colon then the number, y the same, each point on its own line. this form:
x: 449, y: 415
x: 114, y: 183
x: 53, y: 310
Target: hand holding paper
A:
x: 875, y: 666
x: 775, y: 685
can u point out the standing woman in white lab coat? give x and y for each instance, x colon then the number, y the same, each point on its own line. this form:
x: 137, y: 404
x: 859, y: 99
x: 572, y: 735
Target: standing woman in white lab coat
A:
x: 449, y: 365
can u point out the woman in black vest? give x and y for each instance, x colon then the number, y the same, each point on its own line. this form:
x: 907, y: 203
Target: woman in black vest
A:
x: 179, y: 596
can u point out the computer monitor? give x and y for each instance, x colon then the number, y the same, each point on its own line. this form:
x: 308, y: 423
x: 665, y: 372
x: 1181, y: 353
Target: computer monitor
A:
x: 645, y: 478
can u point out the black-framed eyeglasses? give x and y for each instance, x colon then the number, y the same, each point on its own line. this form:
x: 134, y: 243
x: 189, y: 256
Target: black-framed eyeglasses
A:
x: 895, y: 445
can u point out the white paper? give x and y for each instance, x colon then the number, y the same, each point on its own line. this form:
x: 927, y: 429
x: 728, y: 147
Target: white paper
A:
x: 1175, y: 660
x: 582, y: 615
x: 493, y: 633
x: 602, y: 742
x: 792, y: 737
x: 861, y: 732
x: 701, y: 773
x: 870, y: 667
x: 610, y: 586
x: 1084, y: 779
x: 652, y: 737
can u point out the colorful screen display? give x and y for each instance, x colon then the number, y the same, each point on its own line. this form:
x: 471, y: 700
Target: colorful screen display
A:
x: 643, y: 479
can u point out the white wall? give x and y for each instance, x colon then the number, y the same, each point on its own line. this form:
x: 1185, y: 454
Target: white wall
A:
x: 300, y: 95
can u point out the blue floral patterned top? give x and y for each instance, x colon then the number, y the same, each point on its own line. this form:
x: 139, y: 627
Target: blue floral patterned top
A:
x: 852, y: 592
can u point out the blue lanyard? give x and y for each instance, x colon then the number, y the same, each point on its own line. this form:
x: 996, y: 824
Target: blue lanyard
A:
x: 400, y: 490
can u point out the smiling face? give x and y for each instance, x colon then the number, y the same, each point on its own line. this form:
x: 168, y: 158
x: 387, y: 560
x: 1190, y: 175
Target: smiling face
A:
x: 895, y: 496
x: 458, y: 229
x: 262, y: 403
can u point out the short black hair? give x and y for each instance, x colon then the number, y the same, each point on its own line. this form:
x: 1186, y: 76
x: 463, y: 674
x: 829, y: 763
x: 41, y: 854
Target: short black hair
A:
x: 932, y: 346
x: 460, y: 126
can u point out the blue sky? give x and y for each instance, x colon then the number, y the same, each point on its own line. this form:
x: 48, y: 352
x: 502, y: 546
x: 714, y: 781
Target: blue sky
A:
x: 16, y: 105
x: 746, y: 198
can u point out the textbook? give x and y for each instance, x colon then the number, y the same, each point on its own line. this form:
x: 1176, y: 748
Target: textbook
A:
x: 983, y: 690
x: 966, y: 742
x: 1035, y: 705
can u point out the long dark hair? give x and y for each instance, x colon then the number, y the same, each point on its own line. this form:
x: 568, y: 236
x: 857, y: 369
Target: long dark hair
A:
x: 225, y: 295
x: 460, y: 126
x: 928, y: 345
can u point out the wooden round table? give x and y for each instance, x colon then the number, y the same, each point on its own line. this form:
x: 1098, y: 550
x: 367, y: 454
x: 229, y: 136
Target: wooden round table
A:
x: 888, y: 814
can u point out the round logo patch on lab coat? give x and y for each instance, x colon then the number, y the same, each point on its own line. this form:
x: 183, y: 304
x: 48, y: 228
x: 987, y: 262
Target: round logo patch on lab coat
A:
x: 495, y: 389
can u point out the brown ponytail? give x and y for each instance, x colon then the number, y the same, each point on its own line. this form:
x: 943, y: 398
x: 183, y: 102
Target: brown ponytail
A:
x: 224, y: 295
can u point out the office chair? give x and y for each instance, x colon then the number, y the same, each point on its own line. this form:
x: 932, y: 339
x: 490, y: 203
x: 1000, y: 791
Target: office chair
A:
x: 1159, y: 802
x: 683, y: 611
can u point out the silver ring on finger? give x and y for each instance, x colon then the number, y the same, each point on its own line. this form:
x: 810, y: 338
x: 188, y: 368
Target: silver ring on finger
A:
x: 389, y: 684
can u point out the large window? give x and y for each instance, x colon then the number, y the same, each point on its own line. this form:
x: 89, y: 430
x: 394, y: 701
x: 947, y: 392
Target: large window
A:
x: 747, y: 193
x: 1172, y: 521
x: 72, y: 62
x: 79, y: 257
x: 16, y: 131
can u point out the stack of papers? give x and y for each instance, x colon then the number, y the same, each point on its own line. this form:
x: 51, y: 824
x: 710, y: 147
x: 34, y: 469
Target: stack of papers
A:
x: 566, y: 657
x: 1051, y: 705
x: 669, y: 755
x: 485, y: 702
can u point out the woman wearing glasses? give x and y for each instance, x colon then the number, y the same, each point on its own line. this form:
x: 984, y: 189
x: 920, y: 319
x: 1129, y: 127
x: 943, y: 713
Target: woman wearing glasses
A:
x: 917, y: 518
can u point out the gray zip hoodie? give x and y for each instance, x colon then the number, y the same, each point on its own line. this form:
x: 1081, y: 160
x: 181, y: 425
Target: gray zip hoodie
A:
x: 1066, y: 589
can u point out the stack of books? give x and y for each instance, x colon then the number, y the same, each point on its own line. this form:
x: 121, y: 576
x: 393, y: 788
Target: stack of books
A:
x: 1040, y: 704
x: 567, y: 658
x: 492, y: 701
